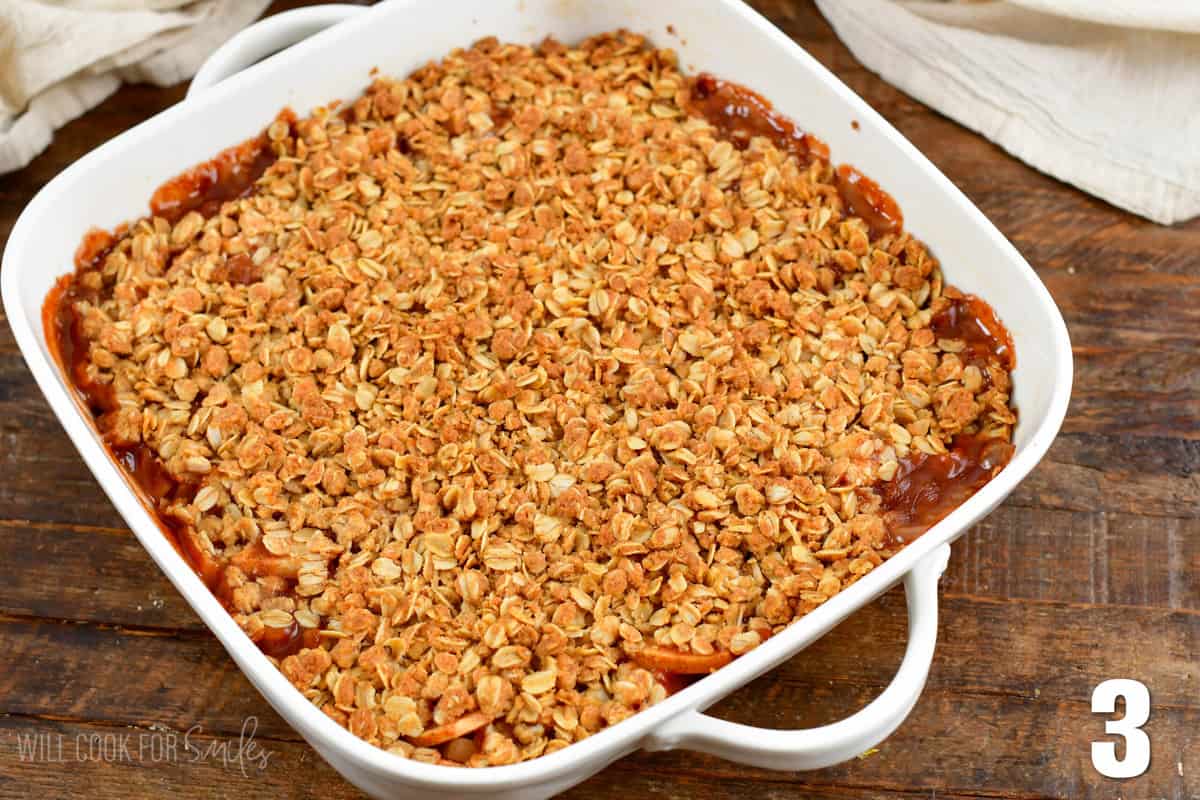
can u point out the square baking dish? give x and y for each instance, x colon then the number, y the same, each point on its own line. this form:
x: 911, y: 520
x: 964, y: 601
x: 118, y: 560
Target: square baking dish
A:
x: 725, y: 37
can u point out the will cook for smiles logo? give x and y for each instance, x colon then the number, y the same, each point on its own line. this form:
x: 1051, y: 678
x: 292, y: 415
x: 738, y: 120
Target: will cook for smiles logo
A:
x: 155, y: 746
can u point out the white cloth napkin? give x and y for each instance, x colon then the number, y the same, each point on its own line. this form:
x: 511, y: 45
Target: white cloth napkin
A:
x: 59, y: 58
x: 1103, y: 94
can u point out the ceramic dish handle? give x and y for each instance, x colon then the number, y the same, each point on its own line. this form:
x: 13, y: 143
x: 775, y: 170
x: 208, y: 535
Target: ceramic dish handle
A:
x: 267, y: 37
x: 830, y: 744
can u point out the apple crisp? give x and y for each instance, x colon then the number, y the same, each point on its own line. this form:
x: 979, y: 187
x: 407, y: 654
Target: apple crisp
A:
x: 500, y: 403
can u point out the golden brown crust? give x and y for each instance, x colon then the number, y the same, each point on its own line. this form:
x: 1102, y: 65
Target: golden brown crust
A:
x: 527, y: 378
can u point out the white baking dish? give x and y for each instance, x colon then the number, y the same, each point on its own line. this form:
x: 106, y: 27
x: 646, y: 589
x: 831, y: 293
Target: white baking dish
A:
x: 114, y: 182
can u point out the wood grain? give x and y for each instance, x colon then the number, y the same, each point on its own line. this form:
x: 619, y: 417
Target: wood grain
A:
x: 1091, y: 569
x: 58, y: 665
x: 104, y: 762
x: 1015, y: 554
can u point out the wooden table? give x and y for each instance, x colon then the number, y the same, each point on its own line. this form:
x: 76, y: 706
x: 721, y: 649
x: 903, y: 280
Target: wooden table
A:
x: 1090, y: 571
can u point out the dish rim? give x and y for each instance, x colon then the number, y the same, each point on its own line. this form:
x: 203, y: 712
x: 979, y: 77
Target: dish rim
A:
x: 614, y: 741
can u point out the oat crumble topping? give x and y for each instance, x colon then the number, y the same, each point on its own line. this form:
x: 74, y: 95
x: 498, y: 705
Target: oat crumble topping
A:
x: 515, y: 392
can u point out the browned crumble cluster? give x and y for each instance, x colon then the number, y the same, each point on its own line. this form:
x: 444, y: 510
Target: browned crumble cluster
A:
x: 513, y: 392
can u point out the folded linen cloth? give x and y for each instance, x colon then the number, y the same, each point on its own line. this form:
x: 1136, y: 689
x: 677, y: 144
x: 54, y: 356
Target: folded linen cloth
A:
x: 59, y: 58
x: 1102, y: 95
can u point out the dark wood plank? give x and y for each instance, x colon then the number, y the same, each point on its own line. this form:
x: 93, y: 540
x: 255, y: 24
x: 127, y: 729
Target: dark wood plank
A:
x: 112, y: 579
x: 42, y: 477
x: 1033, y: 744
x: 1027, y: 720
x: 952, y: 745
x: 130, y: 677
x: 117, y: 763
x: 206, y: 767
x: 1014, y: 648
x: 1080, y: 558
x: 1148, y: 476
